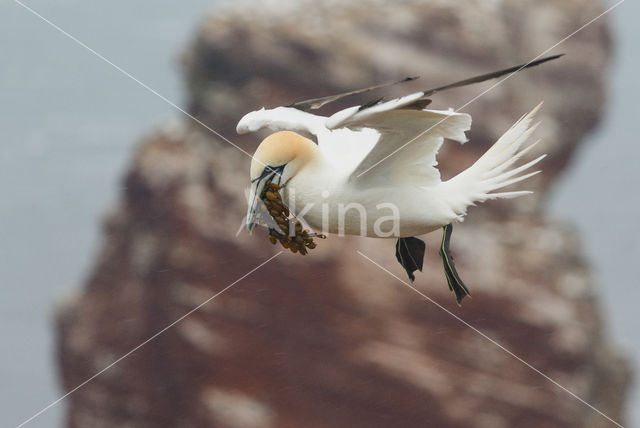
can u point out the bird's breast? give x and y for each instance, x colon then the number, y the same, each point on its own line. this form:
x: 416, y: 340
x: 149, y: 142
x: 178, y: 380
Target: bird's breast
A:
x: 330, y: 204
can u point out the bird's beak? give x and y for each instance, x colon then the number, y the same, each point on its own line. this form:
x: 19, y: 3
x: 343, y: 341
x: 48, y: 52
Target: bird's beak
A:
x: 257, y: 210
x: 256, y: 206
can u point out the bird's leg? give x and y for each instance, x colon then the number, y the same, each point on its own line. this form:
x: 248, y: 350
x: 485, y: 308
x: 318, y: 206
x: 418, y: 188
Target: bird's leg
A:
x: 453, y: 279
x: 410, y: 253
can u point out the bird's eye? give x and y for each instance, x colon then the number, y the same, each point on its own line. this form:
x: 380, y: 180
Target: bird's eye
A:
x: 270, y: 171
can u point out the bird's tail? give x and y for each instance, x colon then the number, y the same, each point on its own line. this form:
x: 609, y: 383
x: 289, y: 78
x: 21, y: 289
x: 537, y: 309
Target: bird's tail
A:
x: 494, y: 170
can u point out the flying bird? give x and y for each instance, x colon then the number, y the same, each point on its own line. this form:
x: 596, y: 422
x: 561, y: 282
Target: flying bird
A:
x: 371, y: 170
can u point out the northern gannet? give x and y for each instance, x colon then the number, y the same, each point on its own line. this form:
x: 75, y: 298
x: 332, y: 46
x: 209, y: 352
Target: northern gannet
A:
x: 371, y: 170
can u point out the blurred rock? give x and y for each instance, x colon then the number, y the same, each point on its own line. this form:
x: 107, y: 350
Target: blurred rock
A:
x: 330, y: 339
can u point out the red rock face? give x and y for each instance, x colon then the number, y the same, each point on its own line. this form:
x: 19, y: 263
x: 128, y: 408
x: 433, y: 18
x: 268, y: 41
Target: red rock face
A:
x: 330, y: 339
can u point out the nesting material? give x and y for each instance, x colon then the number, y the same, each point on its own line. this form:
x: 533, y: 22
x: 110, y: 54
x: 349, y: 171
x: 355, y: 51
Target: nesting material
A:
x: 299, y: 240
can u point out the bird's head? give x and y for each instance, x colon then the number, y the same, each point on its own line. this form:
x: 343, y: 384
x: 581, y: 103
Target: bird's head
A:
x: 279, y: 158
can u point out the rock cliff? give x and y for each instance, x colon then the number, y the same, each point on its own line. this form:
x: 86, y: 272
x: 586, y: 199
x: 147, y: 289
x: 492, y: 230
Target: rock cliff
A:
x: 330, y: 339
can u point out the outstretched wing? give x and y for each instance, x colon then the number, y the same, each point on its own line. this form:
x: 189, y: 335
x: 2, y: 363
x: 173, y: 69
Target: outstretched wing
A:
x: 396, y: 140
x: 282, y: 119
x: 316, y: 103
x: 399, y: 139
x: 409, y: 139
x: 345, y: 147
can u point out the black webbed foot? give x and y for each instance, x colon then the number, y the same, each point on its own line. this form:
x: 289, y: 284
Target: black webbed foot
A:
x: 410, y: 253
x: 453, y: 279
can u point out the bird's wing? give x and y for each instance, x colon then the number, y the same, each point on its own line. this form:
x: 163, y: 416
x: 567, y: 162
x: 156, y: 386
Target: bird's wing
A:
x: 316, y: 103
x: 344, y: 147
x: 409, y: 138
x: 282, y: 119
x: 369, y: 134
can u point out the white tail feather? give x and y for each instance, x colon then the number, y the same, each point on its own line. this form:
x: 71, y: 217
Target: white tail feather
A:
x: 491, y: 171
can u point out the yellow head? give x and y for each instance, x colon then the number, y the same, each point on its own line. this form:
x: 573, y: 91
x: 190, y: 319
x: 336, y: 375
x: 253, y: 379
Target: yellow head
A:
x: 278, y: 158
x: 282, y: 148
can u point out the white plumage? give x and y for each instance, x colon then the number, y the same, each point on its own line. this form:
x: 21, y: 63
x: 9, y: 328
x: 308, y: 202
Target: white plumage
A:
x: 372, y: 171
x: 384, y: 154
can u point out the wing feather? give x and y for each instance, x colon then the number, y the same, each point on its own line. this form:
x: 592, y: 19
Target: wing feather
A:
x: 398, y: 139
x: 282, y: 119
x: 408, y: 142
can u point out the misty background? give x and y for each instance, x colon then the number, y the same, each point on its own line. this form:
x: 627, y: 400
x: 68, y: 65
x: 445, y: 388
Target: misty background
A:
x: 69, y: 123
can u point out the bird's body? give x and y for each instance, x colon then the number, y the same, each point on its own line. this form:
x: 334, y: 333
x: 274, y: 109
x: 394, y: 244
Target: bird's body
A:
x: 325, y: 199
x: 337, y: 185
x: 372, y: 170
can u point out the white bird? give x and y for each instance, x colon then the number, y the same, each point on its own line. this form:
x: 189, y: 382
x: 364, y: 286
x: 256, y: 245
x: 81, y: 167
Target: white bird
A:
x: 371, y: 170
